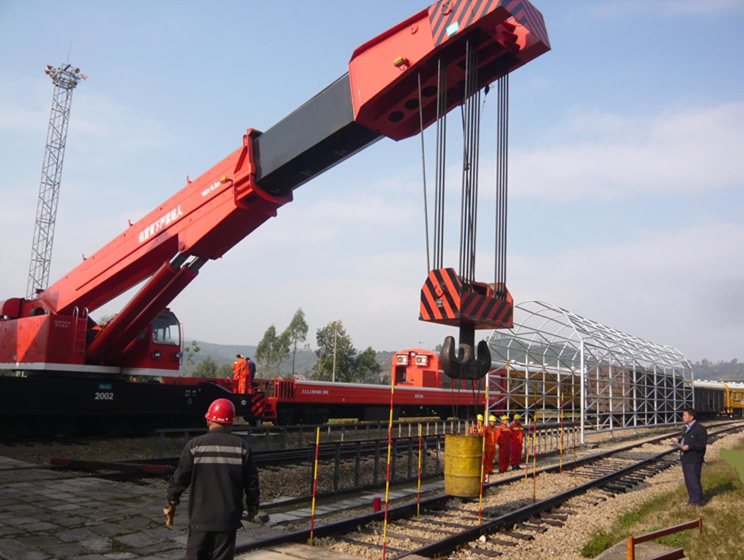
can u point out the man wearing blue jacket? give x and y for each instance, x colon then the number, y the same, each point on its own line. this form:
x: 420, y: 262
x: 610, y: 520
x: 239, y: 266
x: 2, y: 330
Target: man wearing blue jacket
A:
x: 692, y: 441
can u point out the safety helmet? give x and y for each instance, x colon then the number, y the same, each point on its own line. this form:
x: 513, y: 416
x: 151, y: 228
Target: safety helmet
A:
x: 479, y: 417
x: 504, y: 418
x: 492, y: 418
x: 517, y: 417
x: 222, y: 411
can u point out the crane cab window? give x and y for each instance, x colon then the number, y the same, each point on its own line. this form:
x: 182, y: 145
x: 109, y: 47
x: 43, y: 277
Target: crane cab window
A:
x: 166, y: 330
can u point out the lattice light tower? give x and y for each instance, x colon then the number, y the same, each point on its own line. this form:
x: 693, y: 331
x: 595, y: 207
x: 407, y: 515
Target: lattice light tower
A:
x: 65, y: 78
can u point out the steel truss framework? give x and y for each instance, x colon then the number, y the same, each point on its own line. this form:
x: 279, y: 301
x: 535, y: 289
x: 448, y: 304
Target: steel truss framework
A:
x: 561, y: 365
x: 65, y: 79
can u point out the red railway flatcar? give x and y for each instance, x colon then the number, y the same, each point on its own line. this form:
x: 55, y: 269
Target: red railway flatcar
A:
x: 421, y: 390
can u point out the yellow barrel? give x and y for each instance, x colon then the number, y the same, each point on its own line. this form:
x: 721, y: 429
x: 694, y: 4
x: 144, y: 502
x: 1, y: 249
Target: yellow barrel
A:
x: 462, y: 465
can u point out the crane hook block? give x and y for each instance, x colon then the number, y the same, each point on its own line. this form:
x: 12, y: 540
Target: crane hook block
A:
x: 447, y: 299
x: 465, y: 365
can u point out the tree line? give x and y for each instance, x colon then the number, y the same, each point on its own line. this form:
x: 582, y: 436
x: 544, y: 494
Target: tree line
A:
x: 337, y: 357
x: 732, y: 371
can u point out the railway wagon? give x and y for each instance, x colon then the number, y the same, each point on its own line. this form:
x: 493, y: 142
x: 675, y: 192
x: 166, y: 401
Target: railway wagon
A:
x: 710, y: 398
x: 713, y: 398
x: 535, y: 389
x: 421, y: 390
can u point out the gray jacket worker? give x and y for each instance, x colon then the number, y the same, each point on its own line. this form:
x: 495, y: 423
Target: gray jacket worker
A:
x: 218, y: 468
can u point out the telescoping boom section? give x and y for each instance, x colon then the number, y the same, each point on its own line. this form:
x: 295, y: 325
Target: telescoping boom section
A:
x: 391, y: 89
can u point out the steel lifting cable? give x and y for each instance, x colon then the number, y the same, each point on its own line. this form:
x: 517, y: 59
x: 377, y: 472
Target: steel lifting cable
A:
x: 475, y: 173
x: 474, y: 153
x: 502, y: 160
x: 440, y: 154
x: 470, y: 111
x: 423, y: 167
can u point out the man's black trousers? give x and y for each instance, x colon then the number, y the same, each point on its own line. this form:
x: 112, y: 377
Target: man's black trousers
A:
x: 210, y: 546
x: 692, y: 481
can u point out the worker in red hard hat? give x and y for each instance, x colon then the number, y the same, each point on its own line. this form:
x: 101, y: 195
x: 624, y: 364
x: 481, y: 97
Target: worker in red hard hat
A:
x: 504, y: 438
x: 218, y: 468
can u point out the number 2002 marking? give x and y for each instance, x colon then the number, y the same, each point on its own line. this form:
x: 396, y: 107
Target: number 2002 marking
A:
x: 104, y: 397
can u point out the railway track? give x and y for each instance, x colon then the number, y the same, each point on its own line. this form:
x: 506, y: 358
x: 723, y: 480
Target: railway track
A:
x: 447, y: 524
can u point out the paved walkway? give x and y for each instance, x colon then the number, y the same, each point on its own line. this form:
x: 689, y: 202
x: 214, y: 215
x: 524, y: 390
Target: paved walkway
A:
x: 49, y: 515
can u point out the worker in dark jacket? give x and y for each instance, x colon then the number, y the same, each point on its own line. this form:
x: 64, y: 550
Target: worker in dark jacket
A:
x: 218, y: 468
x: 692, y: 441
x: 251, y: 371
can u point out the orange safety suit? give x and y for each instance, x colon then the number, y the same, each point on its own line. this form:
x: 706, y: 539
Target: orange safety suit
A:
x: 489, y: 432
x: 241, y: 372
x: 476, y: 430
x: 503, y: 438
x: 516, y: 442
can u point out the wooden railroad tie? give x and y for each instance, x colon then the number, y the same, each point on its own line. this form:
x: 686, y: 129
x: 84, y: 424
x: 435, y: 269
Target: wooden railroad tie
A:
x: 369, y: 544
x: 520, y: 536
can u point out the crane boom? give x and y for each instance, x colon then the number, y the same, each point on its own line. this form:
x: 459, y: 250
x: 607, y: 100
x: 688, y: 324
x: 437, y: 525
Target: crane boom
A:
x: 379, y: 96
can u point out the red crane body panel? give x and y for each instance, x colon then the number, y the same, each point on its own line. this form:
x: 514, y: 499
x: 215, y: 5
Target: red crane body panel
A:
x: 203, y: 219
x: 385, y: 71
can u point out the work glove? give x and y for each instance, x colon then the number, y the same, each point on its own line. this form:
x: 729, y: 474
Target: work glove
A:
x: 251, y: 513
x: 170, y: 512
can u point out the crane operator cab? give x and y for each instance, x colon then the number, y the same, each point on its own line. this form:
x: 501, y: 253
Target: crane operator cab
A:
x: 157, y: 350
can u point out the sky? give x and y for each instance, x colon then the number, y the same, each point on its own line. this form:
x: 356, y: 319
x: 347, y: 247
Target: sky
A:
x: 626, y: 164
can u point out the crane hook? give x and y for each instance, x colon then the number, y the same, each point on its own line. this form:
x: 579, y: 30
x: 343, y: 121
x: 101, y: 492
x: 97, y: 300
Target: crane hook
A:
x: 465, y: 365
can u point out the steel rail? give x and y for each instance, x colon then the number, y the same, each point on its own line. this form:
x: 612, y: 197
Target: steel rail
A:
x: 448, y: 544
x: 409, y: 510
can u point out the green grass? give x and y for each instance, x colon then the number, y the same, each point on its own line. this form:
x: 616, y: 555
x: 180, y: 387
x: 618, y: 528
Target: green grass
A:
x: 722, y: 535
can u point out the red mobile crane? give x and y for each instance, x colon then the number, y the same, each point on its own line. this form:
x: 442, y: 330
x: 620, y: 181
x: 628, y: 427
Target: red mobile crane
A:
x: 65, y: 363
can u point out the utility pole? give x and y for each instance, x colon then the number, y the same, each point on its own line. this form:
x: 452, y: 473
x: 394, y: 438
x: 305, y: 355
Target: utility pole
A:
x: 65, y: 79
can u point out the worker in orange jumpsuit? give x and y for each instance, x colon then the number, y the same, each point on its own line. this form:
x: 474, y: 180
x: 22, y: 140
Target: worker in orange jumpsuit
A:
x: 235, y: 367
x: 503, y: 439
x: 516, y: 442
x: 489, y: 432
x: 477, y: 428
x: 241, y: 374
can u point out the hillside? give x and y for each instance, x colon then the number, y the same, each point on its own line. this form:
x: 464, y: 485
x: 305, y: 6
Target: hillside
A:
x: 224, y: 354
x: 730, y: 371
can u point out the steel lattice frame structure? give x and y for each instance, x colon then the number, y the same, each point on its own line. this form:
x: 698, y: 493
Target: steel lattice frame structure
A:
x: 558, y: 363
x: 65, y: 79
